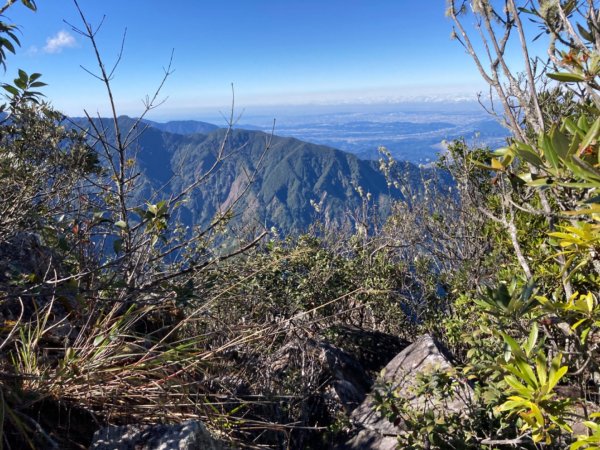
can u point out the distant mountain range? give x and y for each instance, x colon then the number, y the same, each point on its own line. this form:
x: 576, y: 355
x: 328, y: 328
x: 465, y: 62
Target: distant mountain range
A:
x: 286, y: 186
x: 183, y: 126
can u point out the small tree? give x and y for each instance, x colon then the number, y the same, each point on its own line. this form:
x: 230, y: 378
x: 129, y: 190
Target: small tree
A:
x: 528, y: 338
x: 550, y: 168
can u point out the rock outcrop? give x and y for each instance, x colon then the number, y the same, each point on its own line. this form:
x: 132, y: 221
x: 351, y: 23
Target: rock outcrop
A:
x: 422, y: 357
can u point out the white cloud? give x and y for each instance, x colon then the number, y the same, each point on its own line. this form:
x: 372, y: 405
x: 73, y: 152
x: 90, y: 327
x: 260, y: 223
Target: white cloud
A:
x: 57, y: 43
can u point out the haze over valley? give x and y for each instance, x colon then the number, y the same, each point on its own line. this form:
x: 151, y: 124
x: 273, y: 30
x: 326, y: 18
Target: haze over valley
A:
x: 412, y: 132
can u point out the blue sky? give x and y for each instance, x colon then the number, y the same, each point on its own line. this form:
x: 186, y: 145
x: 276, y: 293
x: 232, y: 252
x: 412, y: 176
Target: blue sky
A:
x: 275, y: 52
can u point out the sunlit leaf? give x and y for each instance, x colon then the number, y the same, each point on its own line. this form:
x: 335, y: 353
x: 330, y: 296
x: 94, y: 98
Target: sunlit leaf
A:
x: 566, y: 77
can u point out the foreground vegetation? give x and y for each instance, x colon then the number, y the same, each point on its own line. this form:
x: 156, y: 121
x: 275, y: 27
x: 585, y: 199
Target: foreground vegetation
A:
x: 113, y: 312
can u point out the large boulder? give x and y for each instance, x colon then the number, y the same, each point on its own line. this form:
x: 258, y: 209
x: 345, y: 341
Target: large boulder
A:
x: 422, y: 357
x: 190, y: 435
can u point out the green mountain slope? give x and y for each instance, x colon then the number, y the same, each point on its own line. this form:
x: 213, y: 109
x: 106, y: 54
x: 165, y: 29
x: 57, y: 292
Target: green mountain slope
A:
x: 275, y: 186
x: 289, y: 175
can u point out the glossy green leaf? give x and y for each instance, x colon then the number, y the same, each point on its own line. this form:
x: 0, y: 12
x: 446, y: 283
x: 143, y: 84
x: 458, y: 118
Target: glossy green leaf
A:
x: 591, y: 136
x: 556, y: 371
x: 6, y: 43
x: 514, y: 346
x: 582, y: 123
x: 527, y: 373
x: 569, y: 125
x: 548, y: 149
x: 586, y: 34
x: 560, y: 142
x: 541, y: 368
x: 520, y: 388
x: 566, y: 77
x: 11, y: 89
x: 527, y: 154
x: 531, y: 339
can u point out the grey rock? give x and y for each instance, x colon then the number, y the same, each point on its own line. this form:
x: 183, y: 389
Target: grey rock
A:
x: 422, y: 357
x: 190, y: 435
x: 371, y: 440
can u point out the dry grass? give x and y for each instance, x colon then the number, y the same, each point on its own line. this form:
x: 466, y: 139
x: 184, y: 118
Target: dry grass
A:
x: 154, y: 363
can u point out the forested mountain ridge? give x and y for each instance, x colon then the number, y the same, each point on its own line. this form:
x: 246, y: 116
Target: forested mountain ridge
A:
x: 288, y: 176
x: 286, y: 183
x: 183, y: 126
